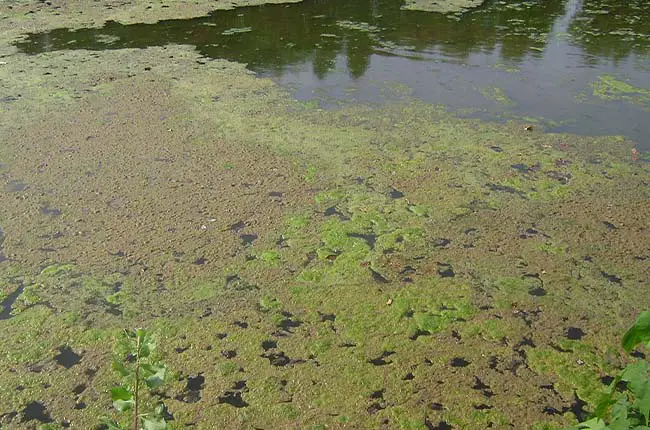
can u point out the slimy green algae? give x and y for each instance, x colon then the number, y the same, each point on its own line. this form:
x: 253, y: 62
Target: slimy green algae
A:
x: 442, y: 6
x: 577, y: 369
x: 498, y: 95
x: 608, y: 88
x: 411, y: 252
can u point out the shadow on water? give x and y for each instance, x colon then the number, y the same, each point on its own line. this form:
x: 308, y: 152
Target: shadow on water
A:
x: 520, y: 59
x: 36, y: 411
x: 7, y: 304
x: 67, y: 357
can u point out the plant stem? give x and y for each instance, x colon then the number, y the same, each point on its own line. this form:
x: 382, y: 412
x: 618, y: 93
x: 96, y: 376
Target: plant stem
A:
x: 137, y: 382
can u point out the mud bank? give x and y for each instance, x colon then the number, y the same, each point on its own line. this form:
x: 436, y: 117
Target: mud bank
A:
x: 370, y: 266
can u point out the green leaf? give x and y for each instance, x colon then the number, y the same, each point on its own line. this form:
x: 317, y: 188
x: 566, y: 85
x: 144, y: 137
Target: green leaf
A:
x: 620, y: 420
x: 160, y: 409
x: 642, y: 401
x: 593, y: 424
x: 119, y: 367
x: 153, y: 423
x: 638, y: 333
x: 636, y: 375
x: 111, y: 424
x: 122, y: 399
x: 147, y: 343
x: 154, y: 374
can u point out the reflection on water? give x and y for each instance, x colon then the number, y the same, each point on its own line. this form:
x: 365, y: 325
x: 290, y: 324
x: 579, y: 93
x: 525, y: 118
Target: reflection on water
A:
x: 524, y: 59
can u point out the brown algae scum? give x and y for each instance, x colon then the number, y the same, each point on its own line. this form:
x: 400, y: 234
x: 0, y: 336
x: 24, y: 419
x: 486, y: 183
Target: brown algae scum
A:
x: 367, y: 267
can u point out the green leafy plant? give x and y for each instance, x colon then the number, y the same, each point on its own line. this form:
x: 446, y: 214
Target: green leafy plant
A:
x: 141, y: 373
x: 627, y: 408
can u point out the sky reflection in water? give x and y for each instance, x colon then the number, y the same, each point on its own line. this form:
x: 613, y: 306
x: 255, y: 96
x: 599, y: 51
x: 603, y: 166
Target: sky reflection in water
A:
x: 527, y: 60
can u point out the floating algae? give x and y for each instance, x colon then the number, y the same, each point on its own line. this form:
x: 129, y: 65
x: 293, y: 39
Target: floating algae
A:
x: 442, y: 6
x: 231, y: 31
x: 358, y: 26
x: 373, y: 265
x: 498, y: 95
x: 609, y: 88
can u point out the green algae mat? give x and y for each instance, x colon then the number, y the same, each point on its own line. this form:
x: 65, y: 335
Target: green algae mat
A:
x: 372, y: 266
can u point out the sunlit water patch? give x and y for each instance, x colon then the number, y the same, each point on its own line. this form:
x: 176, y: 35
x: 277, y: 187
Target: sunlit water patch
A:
x: 573, y: 66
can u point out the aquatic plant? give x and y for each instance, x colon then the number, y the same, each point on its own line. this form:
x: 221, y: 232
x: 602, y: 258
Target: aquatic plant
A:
x: 137, y: 366
x: 626, y: 404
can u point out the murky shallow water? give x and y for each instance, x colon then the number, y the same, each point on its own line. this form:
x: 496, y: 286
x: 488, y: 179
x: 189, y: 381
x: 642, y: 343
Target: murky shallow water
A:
x: 540, y: 62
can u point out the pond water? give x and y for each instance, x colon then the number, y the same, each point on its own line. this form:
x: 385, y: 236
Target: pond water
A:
x: 349, y: 244
x: 574, y: 66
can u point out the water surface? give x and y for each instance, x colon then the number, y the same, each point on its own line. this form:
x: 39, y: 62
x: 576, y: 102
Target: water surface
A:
x: 536, y: 61
x: 383, y: 266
